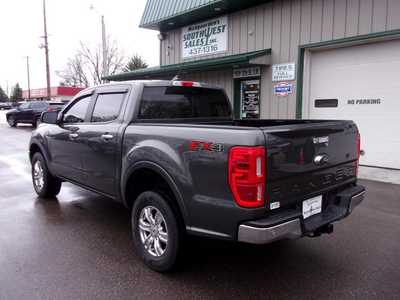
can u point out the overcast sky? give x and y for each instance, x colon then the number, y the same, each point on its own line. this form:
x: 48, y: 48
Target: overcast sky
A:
x: 68, y: 22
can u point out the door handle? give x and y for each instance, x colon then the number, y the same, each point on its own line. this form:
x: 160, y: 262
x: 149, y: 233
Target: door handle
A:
x: 106, y: 137
x: 73, y: 136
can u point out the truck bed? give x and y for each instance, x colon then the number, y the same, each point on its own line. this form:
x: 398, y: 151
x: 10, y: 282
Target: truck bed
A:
x: 292, y: 146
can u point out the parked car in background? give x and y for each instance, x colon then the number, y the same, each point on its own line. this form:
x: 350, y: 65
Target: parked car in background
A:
x: 173, y: 154
x: 29, y: 112
x: 65, y: 101
x: 5, y: 105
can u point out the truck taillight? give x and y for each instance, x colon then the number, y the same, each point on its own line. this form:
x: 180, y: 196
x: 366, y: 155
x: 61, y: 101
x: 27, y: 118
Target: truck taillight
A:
x: 247, y: 175
x: 358, y: 151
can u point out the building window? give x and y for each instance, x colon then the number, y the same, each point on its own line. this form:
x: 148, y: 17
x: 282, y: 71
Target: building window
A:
x: 326, y: 103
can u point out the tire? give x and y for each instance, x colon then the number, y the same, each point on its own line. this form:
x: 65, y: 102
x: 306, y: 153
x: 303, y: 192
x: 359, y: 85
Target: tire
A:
x: 45, y: 184
x: 36, y: 123
x: 11, y: 121
x: 162, y: 257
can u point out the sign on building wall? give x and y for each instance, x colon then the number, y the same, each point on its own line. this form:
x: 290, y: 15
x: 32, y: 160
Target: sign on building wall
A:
x: 283, y: 72
x: 247, y: 72
x: 283, y: 89
x: 205, y: 38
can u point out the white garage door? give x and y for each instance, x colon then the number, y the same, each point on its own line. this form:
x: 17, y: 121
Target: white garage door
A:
x: 361, y: 83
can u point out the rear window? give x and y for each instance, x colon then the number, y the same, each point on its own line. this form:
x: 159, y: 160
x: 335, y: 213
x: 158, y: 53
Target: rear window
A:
x: 174, y: 102
x: 107, y: 107
x: 38, y: 105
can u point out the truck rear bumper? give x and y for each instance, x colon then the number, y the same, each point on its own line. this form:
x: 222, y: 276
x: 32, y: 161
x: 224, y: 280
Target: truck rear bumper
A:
x: 256, y: 235
x: 291, y: 225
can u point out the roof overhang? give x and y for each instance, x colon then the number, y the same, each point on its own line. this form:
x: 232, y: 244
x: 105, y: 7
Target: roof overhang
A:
x: 164, y: 15
x: 262, y: 57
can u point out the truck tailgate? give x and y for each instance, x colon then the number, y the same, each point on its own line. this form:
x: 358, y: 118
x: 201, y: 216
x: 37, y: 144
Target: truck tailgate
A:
x: 309, y: 159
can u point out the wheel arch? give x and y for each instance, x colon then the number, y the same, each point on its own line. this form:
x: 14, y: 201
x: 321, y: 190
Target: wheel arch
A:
x: 154, y: 174
x: 35, y: 147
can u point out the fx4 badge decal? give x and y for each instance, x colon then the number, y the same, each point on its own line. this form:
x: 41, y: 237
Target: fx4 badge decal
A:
x: 205, y: 146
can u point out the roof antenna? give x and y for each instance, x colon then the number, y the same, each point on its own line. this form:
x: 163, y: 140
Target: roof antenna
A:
x: 176, y: 78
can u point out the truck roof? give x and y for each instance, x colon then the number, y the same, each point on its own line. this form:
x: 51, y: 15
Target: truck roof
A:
x: 184, y: 83
x: 158, y: 83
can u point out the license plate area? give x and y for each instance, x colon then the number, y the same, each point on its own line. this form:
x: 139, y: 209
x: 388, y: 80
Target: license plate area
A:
x: 312, y: 206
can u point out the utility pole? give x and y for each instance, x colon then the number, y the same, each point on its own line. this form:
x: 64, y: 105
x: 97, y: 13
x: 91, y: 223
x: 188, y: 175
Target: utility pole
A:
x: 29, y: 81
x: 46, y: 50
x: 104, y: 42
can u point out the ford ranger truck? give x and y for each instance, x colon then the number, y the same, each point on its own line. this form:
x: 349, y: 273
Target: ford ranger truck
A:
x: 173, y: 154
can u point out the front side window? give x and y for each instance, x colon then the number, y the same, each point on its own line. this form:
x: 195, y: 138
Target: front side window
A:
x: 77, y: 112
x: 174, y: 102
x: 24, y: 106
x: 107, y: 107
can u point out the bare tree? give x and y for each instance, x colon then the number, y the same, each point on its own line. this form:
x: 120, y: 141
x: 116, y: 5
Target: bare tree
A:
x: 75, y: 73
x: 85, y: 68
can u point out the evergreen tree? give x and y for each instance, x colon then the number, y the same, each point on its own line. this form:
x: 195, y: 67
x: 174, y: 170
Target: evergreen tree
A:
x: 136, y: 62
x: 16, y: 93
x: 3, y: 95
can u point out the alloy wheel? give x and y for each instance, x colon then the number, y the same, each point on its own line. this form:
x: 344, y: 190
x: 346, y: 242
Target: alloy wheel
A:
x: 153, y: 231
x: 38, y: 175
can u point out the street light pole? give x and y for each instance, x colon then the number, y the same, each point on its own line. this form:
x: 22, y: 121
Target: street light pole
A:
x: 46, y: 50
x: 29, y: 81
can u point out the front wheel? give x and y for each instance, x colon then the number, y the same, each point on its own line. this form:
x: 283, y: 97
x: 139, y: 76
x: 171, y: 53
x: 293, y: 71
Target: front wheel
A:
x: 45, y: 184
x: 11, y: 121
x: 155, y: 231
x: 36, y: 123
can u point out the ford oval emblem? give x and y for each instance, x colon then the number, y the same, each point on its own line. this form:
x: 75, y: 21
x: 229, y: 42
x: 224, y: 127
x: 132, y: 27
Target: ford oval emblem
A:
x: 321, y: 159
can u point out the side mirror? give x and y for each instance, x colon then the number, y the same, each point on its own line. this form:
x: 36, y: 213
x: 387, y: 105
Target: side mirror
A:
x: 49, y: 117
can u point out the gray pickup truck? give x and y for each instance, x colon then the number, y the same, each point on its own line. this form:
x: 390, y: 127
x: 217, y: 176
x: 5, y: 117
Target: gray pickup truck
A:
x: 172, y: 153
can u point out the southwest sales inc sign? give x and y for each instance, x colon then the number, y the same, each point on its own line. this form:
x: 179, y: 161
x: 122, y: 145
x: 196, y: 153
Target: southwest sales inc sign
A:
x: 205, y: 38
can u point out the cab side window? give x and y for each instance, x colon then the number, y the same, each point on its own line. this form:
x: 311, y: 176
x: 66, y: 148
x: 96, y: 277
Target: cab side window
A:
x: 77, y: 112
x: 38, y: 105
x: 107, y: 107
x: 35, y: 105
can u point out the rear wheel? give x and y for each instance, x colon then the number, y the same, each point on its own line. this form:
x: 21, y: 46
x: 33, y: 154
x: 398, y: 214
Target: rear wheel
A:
x: 11, y: 121
x: 155, y: 231
x: 45, y: 184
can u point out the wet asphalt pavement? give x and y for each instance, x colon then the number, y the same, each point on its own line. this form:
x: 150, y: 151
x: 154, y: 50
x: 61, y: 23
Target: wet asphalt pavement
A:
x: 79, y: 247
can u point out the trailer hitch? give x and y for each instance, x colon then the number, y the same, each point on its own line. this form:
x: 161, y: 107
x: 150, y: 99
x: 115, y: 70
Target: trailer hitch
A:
x: 328, y: 228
